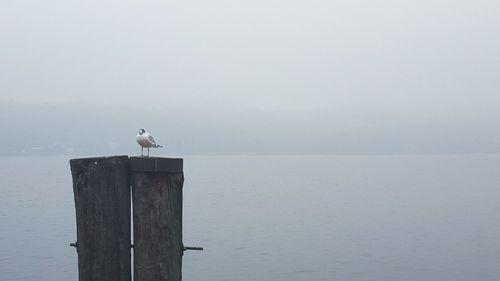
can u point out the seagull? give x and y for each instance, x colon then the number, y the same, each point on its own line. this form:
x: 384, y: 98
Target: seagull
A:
x: 145, y: 140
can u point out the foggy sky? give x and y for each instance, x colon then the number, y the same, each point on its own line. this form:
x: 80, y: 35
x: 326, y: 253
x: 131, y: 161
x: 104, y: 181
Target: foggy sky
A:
x: 258, y: 76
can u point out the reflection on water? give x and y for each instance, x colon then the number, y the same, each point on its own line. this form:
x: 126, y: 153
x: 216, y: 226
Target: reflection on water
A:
x: 285, y: 218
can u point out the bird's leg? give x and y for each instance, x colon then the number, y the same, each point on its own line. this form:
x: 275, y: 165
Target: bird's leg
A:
x: 148, y: 151
x: 142, y: 151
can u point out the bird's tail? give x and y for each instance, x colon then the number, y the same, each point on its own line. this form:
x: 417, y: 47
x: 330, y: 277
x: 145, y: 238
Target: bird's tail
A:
x: 159, y: 145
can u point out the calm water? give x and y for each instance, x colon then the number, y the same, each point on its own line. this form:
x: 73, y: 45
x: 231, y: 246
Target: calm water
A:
x: 348, y: 218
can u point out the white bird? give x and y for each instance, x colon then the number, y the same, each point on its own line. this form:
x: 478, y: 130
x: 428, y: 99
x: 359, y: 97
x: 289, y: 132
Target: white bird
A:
x: 145, y: 140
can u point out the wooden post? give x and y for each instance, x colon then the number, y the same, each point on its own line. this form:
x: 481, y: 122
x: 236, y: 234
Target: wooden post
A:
x: 101, y: 188
x: 157, y: 213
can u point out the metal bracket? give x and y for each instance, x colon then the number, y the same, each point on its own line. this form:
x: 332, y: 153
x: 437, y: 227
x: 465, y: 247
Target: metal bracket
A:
x: 184, y: 248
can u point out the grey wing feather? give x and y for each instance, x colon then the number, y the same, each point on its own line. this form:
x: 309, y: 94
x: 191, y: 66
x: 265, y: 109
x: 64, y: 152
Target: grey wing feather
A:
x: 152, y: 139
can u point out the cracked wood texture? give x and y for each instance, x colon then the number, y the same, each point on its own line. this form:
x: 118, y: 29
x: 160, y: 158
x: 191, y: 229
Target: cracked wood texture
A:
x: 157, y: 214
x: 101, y: 188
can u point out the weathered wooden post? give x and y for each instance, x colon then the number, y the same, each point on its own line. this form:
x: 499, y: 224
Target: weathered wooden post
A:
x: 101, y: 189
x: 157, y: 199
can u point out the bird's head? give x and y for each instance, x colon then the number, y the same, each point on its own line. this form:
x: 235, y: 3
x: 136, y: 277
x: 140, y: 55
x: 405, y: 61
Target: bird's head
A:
x: 141, y: 131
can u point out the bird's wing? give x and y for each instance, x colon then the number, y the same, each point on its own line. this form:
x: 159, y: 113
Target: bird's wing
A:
x: 151, y: 139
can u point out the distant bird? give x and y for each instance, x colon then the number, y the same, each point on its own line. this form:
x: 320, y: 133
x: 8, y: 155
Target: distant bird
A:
x: 145, y: 140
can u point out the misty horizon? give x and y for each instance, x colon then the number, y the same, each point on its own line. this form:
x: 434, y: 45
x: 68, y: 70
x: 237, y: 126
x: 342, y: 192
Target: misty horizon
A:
x: 58, y: 129
x: 256, y: 77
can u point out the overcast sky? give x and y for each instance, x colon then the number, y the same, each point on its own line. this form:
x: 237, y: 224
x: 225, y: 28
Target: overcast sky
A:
x: 378, y: 68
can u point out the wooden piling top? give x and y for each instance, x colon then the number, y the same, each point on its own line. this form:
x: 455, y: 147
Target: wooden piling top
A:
x: 96, y: 159
x: 139, y: 163
x: 156, y: 164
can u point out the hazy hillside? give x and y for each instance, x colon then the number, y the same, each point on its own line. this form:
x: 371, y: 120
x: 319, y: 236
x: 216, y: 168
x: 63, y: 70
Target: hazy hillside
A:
x: 44, y: 129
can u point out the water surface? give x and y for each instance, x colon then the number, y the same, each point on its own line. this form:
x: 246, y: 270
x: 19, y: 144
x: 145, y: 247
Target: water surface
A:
x: 294, y: 218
